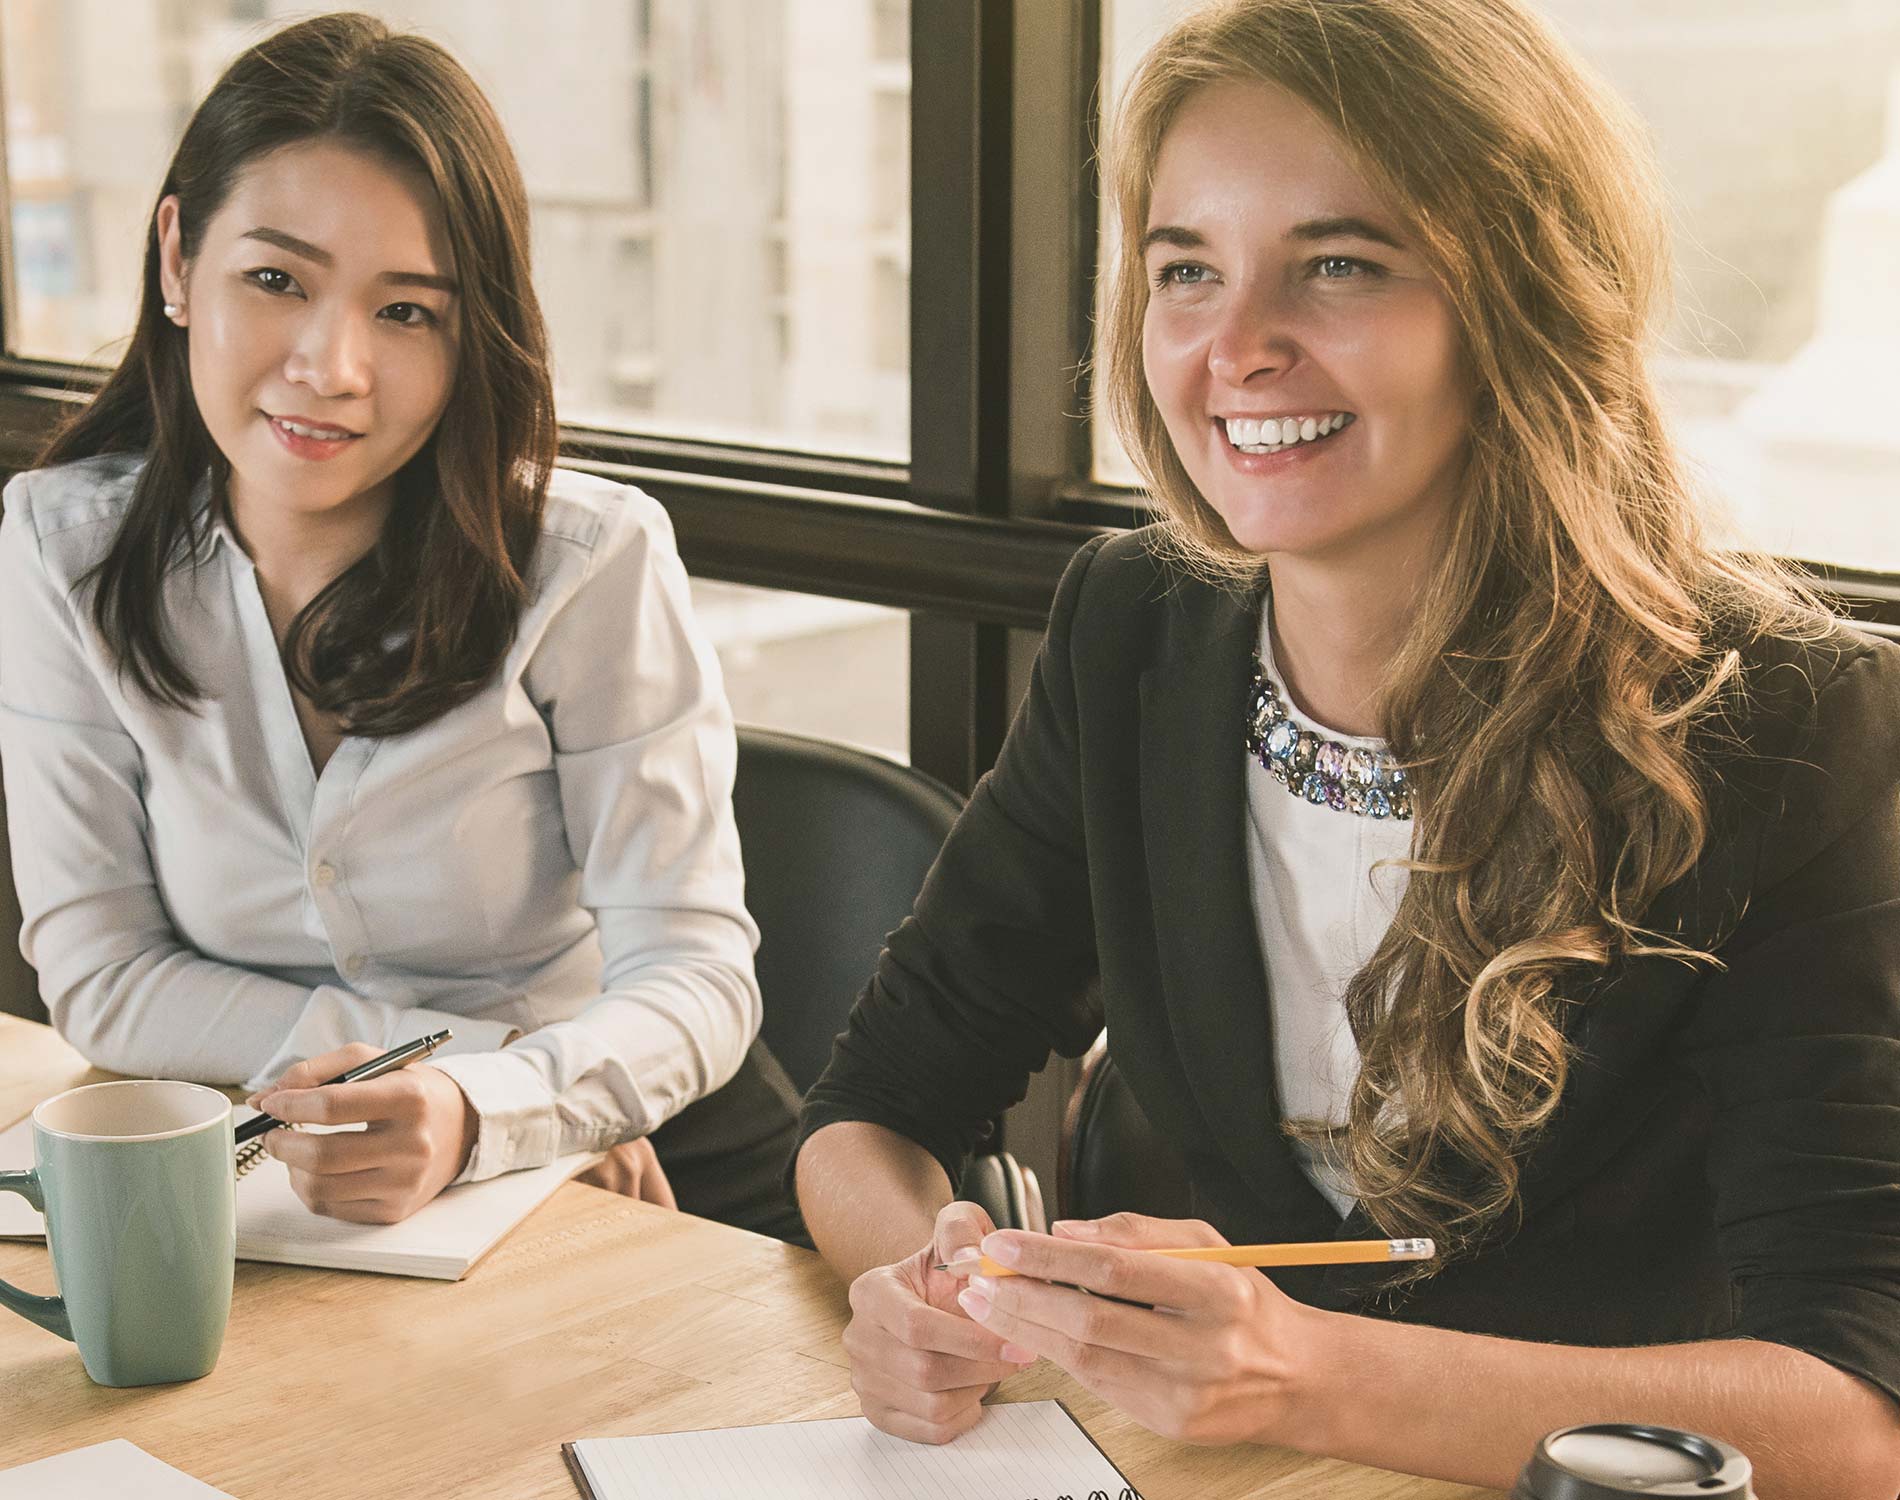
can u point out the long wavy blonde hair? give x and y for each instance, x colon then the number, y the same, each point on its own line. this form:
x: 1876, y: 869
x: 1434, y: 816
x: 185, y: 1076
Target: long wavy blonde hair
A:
x: 1577, y: 627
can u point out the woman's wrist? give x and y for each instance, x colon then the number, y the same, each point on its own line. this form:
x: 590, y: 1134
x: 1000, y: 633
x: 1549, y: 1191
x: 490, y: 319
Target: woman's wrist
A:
x: 1316, y: 1346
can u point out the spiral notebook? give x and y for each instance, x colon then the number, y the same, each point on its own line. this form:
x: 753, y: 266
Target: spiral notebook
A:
x: 1030, y: 1450
x: 442, y: 1240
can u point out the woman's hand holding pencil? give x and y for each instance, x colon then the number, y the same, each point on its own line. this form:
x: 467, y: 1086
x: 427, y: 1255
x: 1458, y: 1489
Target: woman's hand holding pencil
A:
x: 1146, y: 1314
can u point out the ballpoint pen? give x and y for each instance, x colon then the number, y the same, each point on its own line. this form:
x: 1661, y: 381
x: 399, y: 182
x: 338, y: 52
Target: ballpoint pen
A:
x: 402, y: 1056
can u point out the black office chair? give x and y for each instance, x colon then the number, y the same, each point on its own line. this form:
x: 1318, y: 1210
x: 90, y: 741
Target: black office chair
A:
x: 1111, y: 1160
x: 837, y: 843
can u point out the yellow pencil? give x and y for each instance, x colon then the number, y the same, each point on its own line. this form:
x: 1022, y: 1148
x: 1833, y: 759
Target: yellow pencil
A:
x: 1313, y: 1253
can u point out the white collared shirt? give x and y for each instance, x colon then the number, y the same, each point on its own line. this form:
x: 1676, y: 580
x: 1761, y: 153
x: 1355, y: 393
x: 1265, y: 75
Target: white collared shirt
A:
x: 555, y: 856
x: 1322, y: 903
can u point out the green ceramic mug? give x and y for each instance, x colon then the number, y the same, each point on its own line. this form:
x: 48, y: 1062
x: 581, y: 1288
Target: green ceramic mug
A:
x: 137, y: 1183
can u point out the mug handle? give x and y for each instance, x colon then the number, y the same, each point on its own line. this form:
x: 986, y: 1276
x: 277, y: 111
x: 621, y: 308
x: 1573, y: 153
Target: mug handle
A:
x: 48, y: 1312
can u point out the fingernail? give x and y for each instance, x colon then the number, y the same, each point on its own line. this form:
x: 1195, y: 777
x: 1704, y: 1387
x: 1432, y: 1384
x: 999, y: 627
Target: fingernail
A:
x: 1003, y: 1252
x: 1017, y: 1355
x: 983, y: 1286
x: 966, y: 1257
x: 1075, y: 1228
x: 977, y: 1307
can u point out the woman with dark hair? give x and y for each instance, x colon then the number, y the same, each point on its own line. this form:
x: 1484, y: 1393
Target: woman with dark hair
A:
x: 332, y: 713
x: 1462, y: 846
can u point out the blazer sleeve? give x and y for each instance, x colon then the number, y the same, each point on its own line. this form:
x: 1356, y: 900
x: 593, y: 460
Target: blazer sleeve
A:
x: 1797, y: 1042
x: 989, y: 974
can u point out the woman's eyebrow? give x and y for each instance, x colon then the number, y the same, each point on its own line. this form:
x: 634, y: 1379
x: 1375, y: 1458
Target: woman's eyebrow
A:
x: 1171, y: 234
x: 1343, y: 227
x: 318, y: 255
x: 1336, y: 227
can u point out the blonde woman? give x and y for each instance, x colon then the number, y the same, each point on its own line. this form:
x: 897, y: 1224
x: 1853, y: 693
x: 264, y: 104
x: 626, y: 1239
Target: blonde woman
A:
x: 1464, y: 846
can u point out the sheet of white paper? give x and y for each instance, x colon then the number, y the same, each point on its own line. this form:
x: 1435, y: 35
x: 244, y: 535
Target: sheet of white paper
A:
x: 1031, y: 1450
x: 442, y: 1240
x: 105, y: 1471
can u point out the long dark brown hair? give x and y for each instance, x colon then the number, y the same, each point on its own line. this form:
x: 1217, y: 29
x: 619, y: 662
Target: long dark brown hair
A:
x: 1578, y: 630
x: 422, y: 620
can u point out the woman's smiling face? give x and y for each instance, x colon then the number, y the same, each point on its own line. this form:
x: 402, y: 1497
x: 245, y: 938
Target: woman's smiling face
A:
x: 321, y: 311
x: 1303, y: 357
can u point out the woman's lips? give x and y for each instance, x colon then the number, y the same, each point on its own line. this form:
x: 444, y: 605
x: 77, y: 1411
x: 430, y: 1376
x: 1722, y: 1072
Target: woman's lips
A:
x: 318, y: 443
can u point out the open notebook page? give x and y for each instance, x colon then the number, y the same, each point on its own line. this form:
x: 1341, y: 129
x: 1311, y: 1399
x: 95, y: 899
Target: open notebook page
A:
x: 442, y: 1240
x: 1031, y: 1450
x: 105, y: 1471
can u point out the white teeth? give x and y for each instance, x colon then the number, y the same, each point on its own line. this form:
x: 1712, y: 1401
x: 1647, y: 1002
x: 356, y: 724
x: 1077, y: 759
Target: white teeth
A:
x: 1271, y: 434
x: 311, y: 432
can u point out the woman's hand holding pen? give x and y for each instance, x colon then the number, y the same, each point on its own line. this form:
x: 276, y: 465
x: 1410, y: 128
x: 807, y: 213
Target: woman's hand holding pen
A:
x: 920, y: 1367
x: 1213, y: 1356
x: 420, y: 1131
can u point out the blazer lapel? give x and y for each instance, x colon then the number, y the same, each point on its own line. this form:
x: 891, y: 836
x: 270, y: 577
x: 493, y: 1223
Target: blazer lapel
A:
x: 1193, y: 814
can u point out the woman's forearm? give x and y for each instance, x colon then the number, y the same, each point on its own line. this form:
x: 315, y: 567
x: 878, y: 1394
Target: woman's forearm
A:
x: 869, y: 1196
x: 1465, y: 1407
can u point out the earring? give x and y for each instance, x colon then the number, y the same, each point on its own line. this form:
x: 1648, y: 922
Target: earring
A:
x: 174, y: 310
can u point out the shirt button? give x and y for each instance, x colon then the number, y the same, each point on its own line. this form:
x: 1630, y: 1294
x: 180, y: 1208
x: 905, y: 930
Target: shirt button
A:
x: 353, y: 966
x: 324, y: 876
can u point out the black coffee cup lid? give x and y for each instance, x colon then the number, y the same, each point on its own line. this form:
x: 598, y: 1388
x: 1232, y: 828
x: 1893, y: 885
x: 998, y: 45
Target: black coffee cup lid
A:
x: 1610, y: 1460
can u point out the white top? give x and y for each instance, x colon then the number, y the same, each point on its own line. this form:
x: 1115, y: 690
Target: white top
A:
x: 1321, y: 909
x: 555, y: 856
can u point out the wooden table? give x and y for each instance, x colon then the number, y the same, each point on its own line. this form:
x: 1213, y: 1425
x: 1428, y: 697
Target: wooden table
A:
x: 597, y: 1317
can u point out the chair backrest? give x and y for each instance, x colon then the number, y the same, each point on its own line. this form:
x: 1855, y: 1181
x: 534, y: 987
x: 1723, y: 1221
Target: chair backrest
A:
x: 1111, y: 1161
x: 19, y: 985
x: 837, y: 843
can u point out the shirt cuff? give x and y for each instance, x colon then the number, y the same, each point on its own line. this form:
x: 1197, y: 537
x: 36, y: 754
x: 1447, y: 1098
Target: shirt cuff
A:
x: 517, y: 1125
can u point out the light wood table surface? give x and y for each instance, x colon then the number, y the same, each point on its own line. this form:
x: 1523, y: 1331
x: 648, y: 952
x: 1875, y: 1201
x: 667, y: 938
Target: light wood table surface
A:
x: 596, y: 1317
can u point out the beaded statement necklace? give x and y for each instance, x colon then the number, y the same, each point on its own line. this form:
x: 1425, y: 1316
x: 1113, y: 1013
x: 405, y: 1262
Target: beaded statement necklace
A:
x: 1347, y: 778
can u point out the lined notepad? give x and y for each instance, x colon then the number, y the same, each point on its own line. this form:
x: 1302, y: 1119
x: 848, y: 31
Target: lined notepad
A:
x: 441, y: 1240
x: 1032, y: 1450
x: 105, y: 1471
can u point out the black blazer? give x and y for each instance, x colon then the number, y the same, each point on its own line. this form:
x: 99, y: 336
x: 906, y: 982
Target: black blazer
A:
x: 1726, y: 1157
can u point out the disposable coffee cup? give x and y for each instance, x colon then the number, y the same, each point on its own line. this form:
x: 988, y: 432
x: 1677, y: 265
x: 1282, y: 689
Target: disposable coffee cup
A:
x: 1608, y: 1460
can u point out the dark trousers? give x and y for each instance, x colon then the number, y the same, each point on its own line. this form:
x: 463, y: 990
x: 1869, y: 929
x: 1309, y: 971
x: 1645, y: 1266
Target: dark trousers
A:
x: 726, y: 1154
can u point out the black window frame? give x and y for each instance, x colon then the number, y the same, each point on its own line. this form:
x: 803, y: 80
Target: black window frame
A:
x: 971, y: 535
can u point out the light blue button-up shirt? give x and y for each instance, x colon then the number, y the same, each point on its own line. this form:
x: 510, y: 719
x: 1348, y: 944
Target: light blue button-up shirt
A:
x: 555, y: 857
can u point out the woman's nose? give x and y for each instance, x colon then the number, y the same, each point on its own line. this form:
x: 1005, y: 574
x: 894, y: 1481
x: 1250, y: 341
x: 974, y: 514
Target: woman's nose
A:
x: 1253, y: 337
x: 331, y: 356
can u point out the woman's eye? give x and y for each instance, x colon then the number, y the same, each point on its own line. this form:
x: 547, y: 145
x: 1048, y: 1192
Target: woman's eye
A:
x: 1342, y: 268
x: 1181, y: 273
x: 270, y: 279
x: 409, y: 314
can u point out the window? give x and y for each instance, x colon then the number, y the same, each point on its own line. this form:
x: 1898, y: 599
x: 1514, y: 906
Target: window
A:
x: 832, y: 668
x: 713, y: 262
x: 706, y: 177
x: 1783, y: 165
